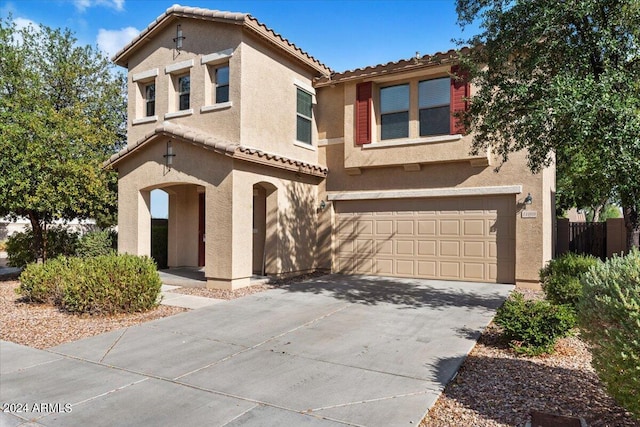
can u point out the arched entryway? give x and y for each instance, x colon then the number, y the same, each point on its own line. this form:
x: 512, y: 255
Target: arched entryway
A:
x: 264, y: 228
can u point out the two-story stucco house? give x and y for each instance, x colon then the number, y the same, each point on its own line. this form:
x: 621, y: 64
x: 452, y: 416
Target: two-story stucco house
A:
x: 275, y: 164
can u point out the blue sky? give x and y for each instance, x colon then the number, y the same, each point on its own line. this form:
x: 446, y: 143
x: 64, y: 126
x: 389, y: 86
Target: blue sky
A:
x: 341, y: 33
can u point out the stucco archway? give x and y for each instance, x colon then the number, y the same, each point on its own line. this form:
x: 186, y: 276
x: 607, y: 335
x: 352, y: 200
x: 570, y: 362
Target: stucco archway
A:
x: 265, y: 220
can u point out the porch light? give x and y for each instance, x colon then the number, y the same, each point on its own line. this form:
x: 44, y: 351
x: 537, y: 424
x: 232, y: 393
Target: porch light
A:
x: 168, y: 157
x: 528, y: 200
x: 179, y: 38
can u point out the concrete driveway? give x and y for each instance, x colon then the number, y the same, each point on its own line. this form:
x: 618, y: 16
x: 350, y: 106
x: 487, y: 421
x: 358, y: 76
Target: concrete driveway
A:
x: 336, y: 350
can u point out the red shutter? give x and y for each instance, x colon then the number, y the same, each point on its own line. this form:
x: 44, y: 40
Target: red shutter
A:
x: 363, y: 113
x: 460, y: 89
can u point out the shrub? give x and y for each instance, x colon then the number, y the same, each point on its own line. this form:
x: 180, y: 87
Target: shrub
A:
x: 609, y: 318
x: 21, y: 251
x: 533, y: 327
x: 561, y: 277
x: 104, y: 284
x: 44, y: 283
x: 95, y: 243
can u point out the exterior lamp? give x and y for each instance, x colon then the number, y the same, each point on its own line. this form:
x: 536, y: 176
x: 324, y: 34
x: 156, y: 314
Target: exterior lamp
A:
x: 528, y: 200
x: 179, y: 38
x: 168, y: 157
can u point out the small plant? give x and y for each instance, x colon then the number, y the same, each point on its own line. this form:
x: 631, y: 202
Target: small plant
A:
x: 21, y: 250
x: 104, y: 284
x: 609, y: 318
x: 533, y: 327
x: 561, y: 277
x: 95, y: 243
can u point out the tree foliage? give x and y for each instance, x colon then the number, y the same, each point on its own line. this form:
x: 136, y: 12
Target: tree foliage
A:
x: 62, y: 113
x: 561, y: 78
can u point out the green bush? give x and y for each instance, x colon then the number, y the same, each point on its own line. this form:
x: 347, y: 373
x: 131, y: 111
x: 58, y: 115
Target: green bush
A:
x: 609, y: 318
x: 95, y: 243
x: 561, y: 277
x: 104, y: 284
x: 44, y: 283
x: 533, y: 327
x: 21, y: 251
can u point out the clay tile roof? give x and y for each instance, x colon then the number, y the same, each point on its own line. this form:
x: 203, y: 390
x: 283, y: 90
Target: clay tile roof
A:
x: 210, y: 142
x: 401, y: 65
x: 237, y: 18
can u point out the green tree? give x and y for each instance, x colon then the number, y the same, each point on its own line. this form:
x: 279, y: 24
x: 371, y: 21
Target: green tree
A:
x: 561, y: 78
x: 62, y: 113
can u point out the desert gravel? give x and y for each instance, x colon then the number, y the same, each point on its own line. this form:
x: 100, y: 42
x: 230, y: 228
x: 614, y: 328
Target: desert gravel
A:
x: 494, y: 387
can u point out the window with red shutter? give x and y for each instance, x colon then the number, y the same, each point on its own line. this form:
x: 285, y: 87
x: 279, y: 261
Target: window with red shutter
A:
x: 460, y: 90
x: 363, y: 113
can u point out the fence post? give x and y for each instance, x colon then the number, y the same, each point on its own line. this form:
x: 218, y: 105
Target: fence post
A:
x: 562, y: 236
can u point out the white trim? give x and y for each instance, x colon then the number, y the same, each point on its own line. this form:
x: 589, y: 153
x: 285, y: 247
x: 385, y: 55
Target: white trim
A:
x: 142, y: 120
x: 304, y: 86
x: 180, y: 113
x: 425, y: 193
x: 304, y: 145
x: 178, y: 67
x: 145, y: 75
x: 331, y: 141
x: 215, y: 107
x: 217, y: 57
x: 416, y: 141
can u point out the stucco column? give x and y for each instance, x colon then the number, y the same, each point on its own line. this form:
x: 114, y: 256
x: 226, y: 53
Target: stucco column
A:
x: 144, y: 223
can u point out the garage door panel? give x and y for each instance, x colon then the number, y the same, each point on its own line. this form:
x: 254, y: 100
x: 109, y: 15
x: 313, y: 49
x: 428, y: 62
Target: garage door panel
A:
x: 464, y: 238
x: 449, y: 248
x: 449, y: 227
x: 404, y: 267
x: 405, y: 247
x: 384, y: 266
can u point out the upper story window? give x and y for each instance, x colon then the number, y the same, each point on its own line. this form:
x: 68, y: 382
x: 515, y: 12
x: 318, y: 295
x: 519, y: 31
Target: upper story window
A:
x: 303, y: 116
x: 394, y: 112
x: 184, y: 91
x: 150, y: 99
x: 434, y: 106
x: 145, y: 96
x: 222, y: 84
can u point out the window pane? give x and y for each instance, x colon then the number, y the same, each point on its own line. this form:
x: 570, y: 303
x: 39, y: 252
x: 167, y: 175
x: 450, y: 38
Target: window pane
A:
x: 304, y: 103
x: 184, y: 102
x: 222, y: 76
x: 303, y: 130
x: 435, y: 121
x: 394, y: 98
x: 150, y: 92
x: 395, y: 125
x: 434, y: 92
x: 184, y: 84
x: 151, y: 108
x: 222, y: 94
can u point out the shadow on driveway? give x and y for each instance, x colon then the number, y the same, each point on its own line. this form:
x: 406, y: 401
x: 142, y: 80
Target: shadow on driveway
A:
x: 405, y: 293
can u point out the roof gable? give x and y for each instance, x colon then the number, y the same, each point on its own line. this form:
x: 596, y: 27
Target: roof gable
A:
x: 245, y: 20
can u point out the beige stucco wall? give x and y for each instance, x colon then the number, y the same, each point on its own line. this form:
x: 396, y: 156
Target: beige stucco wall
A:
x: 202, y: 38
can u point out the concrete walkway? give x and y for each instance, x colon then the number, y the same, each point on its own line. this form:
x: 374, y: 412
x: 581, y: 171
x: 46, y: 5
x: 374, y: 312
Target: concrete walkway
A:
x: 336, y: 350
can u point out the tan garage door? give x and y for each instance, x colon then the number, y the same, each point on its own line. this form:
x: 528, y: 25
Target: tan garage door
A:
x: 461, y: 238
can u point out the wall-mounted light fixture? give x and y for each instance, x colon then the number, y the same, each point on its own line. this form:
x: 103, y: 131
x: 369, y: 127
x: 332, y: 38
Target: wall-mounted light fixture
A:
x: 528, y: 200
x: 168, y: 157
x: 179, y: 38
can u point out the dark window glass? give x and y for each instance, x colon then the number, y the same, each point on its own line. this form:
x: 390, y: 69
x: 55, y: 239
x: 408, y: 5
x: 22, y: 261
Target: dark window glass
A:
x: 303, y: 123
x: 184, y: 87
x: 150, y: 99
x: 433, y: 100
x: 394, y: 109
x: 222, y: 85
x: 395, y: 125
x: 435, y: 121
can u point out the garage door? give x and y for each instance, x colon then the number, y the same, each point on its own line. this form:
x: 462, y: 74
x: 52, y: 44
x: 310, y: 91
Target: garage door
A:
x: 453, y: 238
